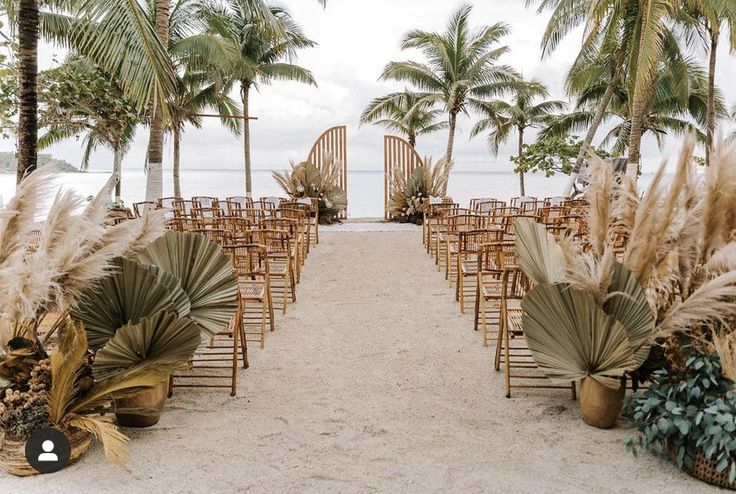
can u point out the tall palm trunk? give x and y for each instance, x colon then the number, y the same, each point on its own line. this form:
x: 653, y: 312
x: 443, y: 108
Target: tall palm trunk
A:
x: 637, y: 115
x: 412, y: 138
x: 28, y: 68
x: 154, y: 184
x: 245, y: 94
x: 522, y: 189
x: 177, y: 159
x: 117, y: 170
x: 600, y: 112
x: 451, y: 136
x: 710, y: 125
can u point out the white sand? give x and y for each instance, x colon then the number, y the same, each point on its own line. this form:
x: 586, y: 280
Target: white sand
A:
x: 373, y: 382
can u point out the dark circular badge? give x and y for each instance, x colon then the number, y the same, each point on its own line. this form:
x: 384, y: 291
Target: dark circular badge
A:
x: 48, y: 450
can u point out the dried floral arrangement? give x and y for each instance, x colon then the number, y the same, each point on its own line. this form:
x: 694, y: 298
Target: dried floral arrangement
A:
x: 308, y: 180
x: 69, y: 268
x: 408, y: 196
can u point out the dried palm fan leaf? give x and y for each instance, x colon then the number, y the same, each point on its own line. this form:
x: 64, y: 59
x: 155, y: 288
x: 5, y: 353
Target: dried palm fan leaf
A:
x: 540, y: 257
x: 164, y: 341
x: 571, y: 337
x: 129, y: 294
x: 591, y: 320
x: 205, y: 273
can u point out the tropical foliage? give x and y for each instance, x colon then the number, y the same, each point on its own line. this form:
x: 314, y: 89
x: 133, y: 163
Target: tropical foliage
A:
x: 688, y: 413
x: 577, y: 332
x: 461, y: 67
x: 552, y: 154
x: 259, y: 50
x: 78, y: 99
x: 407, y: 113
x: 523, y: 113
x: 408, y: 196
x: 49, y: 268
x: 307, y: 180
x: 676, y: 273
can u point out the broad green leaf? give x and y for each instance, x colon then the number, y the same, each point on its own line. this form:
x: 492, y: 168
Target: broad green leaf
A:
x: 205, y: 274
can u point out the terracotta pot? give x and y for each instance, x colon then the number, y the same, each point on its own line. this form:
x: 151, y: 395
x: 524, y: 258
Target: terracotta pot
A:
x: 600, y: 404
x: 13, y: 452
x: 152, y: 400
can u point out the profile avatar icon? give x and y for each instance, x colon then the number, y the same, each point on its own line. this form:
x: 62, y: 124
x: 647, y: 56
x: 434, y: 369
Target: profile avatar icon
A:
x: 48, y: 455
x: 48, y: 450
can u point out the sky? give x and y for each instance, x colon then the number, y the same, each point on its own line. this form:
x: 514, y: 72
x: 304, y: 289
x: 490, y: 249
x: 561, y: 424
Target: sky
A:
x: 356, y: 39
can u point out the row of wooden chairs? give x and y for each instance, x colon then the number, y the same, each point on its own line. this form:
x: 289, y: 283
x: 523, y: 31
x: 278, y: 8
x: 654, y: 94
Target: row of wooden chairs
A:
x: 475, y: 248
x: 268, y: 247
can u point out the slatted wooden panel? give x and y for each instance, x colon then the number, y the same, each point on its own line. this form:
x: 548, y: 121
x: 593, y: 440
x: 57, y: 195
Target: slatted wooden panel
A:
x: 398, y: 157
x: 333, y: 141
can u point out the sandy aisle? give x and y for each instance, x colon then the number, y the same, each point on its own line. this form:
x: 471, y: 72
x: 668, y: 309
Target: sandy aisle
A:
x: 373, y: 382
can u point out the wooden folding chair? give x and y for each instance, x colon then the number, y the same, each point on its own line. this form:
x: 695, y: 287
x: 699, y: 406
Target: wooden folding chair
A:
x: 431, y: 217
x: 466, y: 270
x: 219, y: 359
x: 141, y: 207
x: 252, y: 264
x: 206, y: 202
x: 455, y: 224
x: 280, y: 251
x: 492, y: 259
x: 293, y: 229
x: 512, y: 351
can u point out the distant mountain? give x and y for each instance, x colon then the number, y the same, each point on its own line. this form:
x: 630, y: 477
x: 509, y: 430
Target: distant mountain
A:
x: 8, y: 163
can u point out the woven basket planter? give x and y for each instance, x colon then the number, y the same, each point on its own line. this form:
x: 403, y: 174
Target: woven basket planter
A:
x: 705, y: 470
x: 13, y: 456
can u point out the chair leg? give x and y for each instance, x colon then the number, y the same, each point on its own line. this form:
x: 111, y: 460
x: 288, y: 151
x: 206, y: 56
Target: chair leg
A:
x: 293, y: 285
x: 234, y: 377
x: 271, y: 320
x: 477, y: 304
x: 507, y: 367
x: 241, y: 331
x: 499, y: 340
x: 263, y: 323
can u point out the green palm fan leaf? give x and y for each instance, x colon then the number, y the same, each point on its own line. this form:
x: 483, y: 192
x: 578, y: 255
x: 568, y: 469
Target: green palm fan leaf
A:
x: 571, y: 337
x: 165, y: 342
x: 540, y: 256
x: 627, y: 302
x: 205, y: 273
x: 129, y: 294
x: 179, y: 297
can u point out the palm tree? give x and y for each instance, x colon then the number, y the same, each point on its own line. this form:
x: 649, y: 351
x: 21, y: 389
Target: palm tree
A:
x: 708, y: 17
x: 195, y: 93
x: 524, y: 112
x: 81, y: 99
x: 112, y: 34
x: 406, y: 113
x: 678, y: 106
x: 28, y: 97
x: 604, y: 50
x: 461, y: 67
x: 646, y: 26
x: 260, y: 54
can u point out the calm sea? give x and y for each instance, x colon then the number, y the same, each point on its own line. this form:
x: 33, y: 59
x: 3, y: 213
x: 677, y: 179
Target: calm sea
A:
x: 365, y: 188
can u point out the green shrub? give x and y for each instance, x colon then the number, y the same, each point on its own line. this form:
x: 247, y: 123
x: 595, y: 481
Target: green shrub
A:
x: 682, y: 415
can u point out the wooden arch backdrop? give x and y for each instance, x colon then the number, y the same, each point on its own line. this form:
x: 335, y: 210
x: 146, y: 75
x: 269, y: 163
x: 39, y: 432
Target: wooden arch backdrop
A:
x: 398, y: 157
x: 333, y: 141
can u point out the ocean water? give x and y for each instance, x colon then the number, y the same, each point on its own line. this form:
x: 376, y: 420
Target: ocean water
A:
x: 365, y: 188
